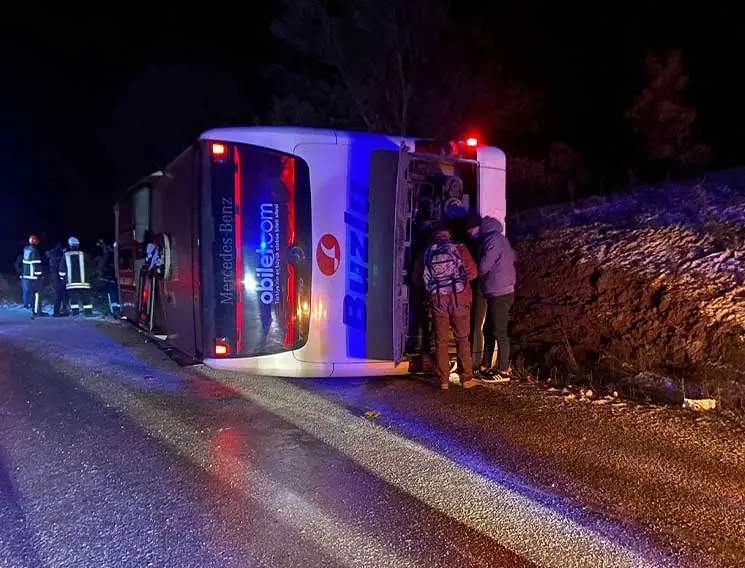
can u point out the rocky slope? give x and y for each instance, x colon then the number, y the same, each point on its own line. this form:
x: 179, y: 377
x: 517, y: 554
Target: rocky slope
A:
x: 648, y: 286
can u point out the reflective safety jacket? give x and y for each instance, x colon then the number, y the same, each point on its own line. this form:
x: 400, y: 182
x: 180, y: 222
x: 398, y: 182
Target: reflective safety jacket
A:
x: 31, y: 263
x: 72, y: 269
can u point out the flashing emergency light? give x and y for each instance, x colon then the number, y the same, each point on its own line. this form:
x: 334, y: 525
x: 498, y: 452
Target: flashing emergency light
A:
x: 218, y: 150
x: 465, y: 149
x: 221, y: 348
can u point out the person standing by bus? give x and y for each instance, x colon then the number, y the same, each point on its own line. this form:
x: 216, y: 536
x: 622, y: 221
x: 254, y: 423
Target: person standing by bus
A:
x: 496, y: 261
x: 55, y: 256
x: 29, y: 268
x: 444, y: 270
x: 73, y: 270
x: 107, y: 276
x: 460, y: 228
x: 149, y: 274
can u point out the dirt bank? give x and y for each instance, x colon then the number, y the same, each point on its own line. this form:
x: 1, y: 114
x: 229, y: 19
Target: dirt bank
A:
x: 650, y: 285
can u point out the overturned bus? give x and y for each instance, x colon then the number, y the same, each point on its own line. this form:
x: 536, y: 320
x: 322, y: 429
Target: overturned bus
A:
x: 285, y: 251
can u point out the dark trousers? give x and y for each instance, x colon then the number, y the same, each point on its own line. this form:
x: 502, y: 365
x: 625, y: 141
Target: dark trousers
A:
x: 495, y: 330
x: 478, y: 315
x: 25, y: 292
x: 60, y: 297
x: 29, y: 289
x: 80, y: 298
x: 419, y: 339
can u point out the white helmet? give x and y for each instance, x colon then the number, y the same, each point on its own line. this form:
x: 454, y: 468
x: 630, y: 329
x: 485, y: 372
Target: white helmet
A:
x: 73, y: 242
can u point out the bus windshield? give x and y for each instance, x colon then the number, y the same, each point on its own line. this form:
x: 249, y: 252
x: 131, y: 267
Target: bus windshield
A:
x: 261, y: 232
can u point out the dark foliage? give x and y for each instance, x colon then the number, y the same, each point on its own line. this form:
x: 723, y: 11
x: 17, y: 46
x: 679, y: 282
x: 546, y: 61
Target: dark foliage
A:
x: 663, y: 117
x: 397, y: 66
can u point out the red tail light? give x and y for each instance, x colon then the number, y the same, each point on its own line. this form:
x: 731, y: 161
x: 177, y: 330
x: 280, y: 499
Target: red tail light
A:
x: 433, y: 147
x: 145, y: 295
x: 219, y: 150
x: 465, y: 149
x: 288, y: 179
x: 237, y: 185
x: 421, y: 365
x: 221, y: 348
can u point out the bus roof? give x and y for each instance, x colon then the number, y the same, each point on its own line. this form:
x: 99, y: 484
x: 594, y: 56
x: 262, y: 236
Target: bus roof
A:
x: 286, y: 138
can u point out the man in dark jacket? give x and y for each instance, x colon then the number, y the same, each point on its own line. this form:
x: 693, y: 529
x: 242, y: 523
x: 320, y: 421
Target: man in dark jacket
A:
x: 55, y: 256
x: 107, y: 279
x: 496, y: 263
x: 73, y: 268
x: 462, y: 231
x: 29, y: 268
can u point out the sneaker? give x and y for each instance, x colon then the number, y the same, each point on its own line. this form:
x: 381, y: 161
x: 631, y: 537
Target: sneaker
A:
x: 482, y: 373
x: 497, y: 377
x: 469, y: 384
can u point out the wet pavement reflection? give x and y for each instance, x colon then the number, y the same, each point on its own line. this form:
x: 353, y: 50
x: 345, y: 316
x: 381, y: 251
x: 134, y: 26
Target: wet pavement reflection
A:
x: 112, y: 455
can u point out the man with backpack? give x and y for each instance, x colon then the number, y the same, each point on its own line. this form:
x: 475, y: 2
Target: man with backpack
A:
x: 444, y: 271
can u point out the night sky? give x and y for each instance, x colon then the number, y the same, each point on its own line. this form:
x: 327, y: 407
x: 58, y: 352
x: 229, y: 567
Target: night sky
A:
x: 94, y: 100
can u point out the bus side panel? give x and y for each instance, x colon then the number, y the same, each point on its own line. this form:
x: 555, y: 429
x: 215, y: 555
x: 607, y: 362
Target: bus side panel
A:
x: 328, y: 178
x: 172, y: 214
x: 353, y: 189
x: 492, y: 193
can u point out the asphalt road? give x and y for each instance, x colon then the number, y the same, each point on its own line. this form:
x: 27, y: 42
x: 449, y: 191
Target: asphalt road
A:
x: 112, y: 455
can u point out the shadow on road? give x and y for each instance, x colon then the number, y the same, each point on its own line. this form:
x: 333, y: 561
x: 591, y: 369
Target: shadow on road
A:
x: 16, y: 541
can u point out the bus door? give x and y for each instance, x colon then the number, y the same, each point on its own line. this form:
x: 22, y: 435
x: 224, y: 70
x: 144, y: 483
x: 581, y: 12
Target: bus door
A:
x: 406, y: 197
x: 413, y: 183
x: 419, y: 201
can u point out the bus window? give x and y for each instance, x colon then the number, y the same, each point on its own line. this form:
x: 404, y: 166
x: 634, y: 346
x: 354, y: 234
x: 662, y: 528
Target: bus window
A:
x: 141, y: 207
x: 261, y: 231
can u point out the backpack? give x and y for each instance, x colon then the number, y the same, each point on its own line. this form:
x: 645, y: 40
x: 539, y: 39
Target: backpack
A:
x: 444, y: 272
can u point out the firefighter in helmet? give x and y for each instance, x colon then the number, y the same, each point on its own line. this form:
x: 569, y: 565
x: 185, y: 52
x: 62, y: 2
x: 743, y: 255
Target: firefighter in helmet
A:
x: 73, y: 269
x: 29, y: 268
